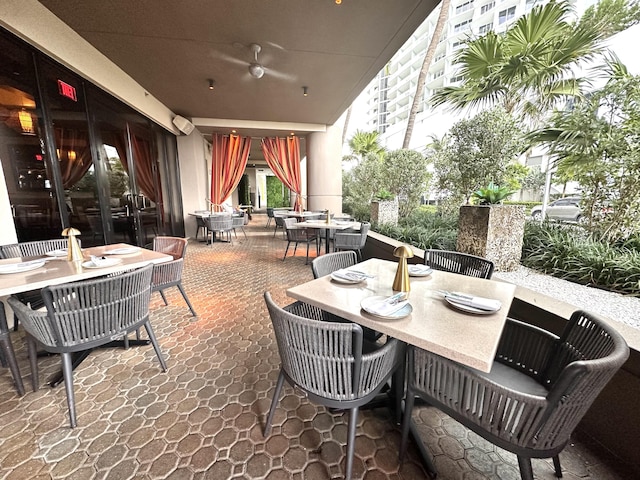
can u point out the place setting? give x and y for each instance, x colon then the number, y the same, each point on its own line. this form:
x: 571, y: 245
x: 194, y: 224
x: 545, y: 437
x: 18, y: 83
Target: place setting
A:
x: 101, y: 262
x: 22, y: 266
x: 419, y: 270
x: 349, y: 276
x: 122, y: 251
x: 388, y: 308
x: 471, y: 303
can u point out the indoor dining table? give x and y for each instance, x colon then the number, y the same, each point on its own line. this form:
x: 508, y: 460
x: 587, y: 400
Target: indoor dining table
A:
x: 57, y: 270
x: 433, y: 324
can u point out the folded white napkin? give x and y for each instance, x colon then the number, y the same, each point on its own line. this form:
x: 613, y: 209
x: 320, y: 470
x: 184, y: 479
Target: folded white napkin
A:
x: 481, y: 303
x: 419, y: 269
x: 384, y: 308
x: 349, y: 275
x: 100, y: 261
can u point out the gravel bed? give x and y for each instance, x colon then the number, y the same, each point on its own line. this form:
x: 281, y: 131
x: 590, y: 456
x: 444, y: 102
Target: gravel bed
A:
x: 617, y: 307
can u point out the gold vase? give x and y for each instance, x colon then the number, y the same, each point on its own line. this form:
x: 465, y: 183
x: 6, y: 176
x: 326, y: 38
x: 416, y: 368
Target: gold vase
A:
x: 401, y: 281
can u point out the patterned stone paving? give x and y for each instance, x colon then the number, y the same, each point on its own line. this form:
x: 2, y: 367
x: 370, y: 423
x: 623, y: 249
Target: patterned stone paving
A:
x: 203, y: 418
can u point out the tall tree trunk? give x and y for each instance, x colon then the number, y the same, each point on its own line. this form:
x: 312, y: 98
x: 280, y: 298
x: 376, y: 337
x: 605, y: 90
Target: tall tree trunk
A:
x: 346, y: 124
x: 422, y: 77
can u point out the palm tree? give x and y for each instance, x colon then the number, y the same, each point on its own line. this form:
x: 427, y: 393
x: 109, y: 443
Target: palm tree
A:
x: 363, y: 143
x: 424, y: 70
x: 530, y: 68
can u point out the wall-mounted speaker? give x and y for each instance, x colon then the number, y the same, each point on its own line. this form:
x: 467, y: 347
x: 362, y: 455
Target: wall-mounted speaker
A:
x: 184, y: 125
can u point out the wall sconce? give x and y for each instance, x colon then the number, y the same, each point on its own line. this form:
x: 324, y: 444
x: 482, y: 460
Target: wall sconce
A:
x: 26, y: 122
x: 211, y: 84
x: 305, y: 91
x: 71, y: 155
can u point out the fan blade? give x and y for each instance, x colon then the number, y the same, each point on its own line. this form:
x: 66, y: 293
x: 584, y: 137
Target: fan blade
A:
x: 280, y: 75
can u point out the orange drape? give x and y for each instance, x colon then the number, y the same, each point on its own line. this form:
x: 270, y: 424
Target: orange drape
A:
x: 72, y: 168
x: 283, y: 157
x: 228, y: 162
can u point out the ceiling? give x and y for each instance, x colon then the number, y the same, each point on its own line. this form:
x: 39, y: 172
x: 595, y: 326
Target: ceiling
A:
x: 172, y: 49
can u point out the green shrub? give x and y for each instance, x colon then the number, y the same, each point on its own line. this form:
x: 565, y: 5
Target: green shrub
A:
x: 568, y: 252
x: 423, y: 229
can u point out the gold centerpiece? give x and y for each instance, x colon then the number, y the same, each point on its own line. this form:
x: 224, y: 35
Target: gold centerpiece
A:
x: 328, y: 216
x: 401, y: 282
x: 74, y: 254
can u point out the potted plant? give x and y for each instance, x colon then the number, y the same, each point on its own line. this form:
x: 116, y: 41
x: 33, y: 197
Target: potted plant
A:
x: 491, y: 229
x: 384, y: 208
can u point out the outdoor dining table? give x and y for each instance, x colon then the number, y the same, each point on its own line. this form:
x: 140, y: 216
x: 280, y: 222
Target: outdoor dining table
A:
x: 327, y: 227
x: 56, y: 271
x: 433, y: 325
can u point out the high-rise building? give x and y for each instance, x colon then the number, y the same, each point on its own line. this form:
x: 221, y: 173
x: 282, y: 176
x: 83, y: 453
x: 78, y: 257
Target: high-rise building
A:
x: 390, y: 95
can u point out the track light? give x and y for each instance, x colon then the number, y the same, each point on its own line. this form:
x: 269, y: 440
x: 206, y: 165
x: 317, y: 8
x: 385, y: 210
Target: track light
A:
x: 305, y: 91
x: 211, y: 83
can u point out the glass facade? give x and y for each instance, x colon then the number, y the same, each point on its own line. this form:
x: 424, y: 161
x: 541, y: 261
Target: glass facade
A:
x: 73, y: 155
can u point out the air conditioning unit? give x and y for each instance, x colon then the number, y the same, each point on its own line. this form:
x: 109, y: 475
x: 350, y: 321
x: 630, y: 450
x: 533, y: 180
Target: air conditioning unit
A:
x: 184, y: 125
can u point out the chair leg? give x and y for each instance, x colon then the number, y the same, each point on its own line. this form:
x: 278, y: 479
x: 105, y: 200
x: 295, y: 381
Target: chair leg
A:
x: 9, y: 356
x: 556, y: 465
x: 406, y: 423
x: 286, y: 250
x: 351, y: 442
x: 67, y: 371
x: 306, y: 261
x: 186, y: 299
x: 163, y: 297
x: 32, y: 351
x: 274, y: 403
x: 156, y: 347
x: 526, y: 471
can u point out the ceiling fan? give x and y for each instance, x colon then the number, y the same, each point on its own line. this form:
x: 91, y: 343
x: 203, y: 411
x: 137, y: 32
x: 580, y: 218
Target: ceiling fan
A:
x: 255, y: 68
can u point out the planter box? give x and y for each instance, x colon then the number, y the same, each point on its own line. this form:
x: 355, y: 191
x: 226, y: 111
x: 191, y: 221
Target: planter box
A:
x: 384, y: 212
x: 494, y: 232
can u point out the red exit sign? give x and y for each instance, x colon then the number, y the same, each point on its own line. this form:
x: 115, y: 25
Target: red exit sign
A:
x: 67, y: 90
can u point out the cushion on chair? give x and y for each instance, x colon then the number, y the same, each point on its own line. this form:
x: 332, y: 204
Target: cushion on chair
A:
x: 513, y: 379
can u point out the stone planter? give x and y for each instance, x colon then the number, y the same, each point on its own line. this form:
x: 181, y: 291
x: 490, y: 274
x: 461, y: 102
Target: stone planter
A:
x: 494, y: 232
x: 385, y: 211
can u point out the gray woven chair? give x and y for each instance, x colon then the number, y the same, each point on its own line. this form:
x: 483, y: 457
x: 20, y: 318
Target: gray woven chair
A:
x: 538, y: 390
x: 83, y: 315
x: 169, y: 274
x: 238, y: 223
x: 269, y: 216
x: 279, y: 222
x: 352, y: 241
x: 300, y: 235
x: 330, y: 262
x: 201, y: 225
x: 222, y: 224
x: 457, y: 262
x: 325, y: 360
x: 32, y: 249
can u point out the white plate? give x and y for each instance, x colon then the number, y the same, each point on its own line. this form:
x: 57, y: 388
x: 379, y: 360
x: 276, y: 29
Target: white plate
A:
x: 419, y: 271
x: 57, y: 253
x: 341, y: 279
x: 109, y: 262
x: 121, y: 251
x: 367, y: 302
x: 21, y: 267
x: 468, y: 308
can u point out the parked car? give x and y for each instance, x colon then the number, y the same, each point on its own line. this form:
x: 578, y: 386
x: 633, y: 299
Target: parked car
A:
x: 564, y: 209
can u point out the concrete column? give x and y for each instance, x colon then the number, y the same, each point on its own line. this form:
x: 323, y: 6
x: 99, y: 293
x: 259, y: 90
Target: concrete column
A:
x: 195, y: 172
x: 324, y: 170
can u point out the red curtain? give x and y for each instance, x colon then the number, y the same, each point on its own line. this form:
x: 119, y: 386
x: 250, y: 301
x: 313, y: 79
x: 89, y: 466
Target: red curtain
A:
x: 283, y: 157
x: 144, y: 168
x: 228, y: 162
x: 74, y: 155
